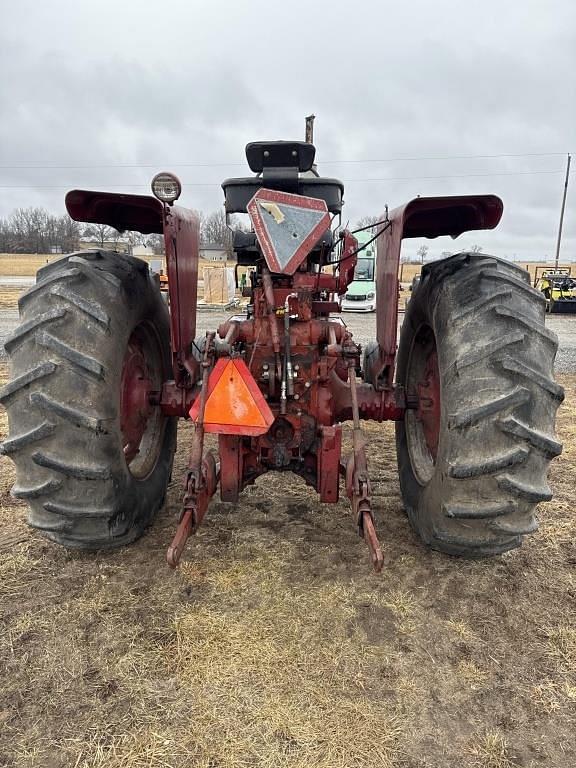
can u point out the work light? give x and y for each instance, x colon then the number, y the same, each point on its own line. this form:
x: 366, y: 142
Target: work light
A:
x: 166, y: 187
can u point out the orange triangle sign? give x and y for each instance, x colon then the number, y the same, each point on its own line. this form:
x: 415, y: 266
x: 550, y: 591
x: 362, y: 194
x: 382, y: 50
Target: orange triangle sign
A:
x: 235, y: 404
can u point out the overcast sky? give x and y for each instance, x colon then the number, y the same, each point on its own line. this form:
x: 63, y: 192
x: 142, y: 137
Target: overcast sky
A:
x: 401, y: 92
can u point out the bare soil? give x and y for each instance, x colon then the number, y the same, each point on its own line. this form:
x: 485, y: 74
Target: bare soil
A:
x: 275, y: 646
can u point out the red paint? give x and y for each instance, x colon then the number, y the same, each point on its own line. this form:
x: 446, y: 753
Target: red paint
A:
x: 422, y: 217
x: 328, y: 468
x: 181, y: 240
x: 230, y: 450
x: 263, y: 232
x: 135, y: 408
x: 141, y: 213
x: 348, y: 262
x: 196, y: 502
x: 240, y: 399
x: 428, y: 412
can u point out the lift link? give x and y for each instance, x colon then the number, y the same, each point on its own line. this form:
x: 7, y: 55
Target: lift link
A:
x: 203, y: 473
x: 358, y: 481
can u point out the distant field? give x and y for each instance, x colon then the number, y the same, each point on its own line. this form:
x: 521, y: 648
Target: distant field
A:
x: 27, y: 264
x: 23, y: 264
x: 9, y: 297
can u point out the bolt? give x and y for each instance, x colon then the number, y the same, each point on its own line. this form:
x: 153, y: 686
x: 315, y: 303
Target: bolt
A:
x: 296, y: 396
x: 307, y: 384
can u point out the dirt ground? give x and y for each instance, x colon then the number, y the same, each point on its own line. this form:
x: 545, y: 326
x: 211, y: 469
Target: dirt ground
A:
x: 274, y: 646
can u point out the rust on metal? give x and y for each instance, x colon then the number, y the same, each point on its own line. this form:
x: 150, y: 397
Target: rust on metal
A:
x: 428, y: 411
x: 287, y: 227
x: 276, y: 382
x: 421, y: 217
x: 135, y: 407
x: 181, y: 243
x: 202, y: 474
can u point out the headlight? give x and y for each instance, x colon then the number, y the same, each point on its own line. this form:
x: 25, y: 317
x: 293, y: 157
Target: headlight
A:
x: 370, y: 295
x: 166, y: 187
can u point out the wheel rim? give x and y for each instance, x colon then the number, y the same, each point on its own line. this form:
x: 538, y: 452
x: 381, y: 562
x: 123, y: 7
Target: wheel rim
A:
x: 141, y: 423
x: 423, y: 422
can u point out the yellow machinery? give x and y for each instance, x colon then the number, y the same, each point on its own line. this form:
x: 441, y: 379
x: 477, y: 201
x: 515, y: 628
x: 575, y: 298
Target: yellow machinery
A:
x: 559, y: 288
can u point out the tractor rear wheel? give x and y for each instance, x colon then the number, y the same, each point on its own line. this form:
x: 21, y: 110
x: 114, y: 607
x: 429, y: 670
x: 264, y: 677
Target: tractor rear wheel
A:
x: 476, y: 363
x: 93, y: 455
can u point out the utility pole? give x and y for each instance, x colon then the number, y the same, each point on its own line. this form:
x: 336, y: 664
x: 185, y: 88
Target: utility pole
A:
x: 562, y: 215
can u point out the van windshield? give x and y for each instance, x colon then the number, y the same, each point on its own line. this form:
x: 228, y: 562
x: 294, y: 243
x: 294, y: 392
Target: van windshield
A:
x: 364, y: 270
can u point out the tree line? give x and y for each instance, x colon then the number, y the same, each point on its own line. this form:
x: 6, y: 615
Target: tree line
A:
x: 36, y: 230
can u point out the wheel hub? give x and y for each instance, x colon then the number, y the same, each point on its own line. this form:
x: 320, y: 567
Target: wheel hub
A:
x: 428, y: 411
x: 135, y: 407
x: 423, y: 417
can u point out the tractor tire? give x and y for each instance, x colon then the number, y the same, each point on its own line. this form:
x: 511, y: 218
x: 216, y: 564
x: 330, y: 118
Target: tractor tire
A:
x: 476, y: 363
x: 370, y: 357
x: 93, y: 457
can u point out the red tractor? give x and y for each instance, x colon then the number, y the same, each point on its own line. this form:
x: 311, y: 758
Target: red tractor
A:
x: 101, y: 370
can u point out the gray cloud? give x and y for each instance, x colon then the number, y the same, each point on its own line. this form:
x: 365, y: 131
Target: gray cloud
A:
x: 141, y: 83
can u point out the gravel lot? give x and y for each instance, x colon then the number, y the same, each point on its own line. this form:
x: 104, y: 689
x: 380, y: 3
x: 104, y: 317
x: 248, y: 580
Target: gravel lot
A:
x: 363, y: 326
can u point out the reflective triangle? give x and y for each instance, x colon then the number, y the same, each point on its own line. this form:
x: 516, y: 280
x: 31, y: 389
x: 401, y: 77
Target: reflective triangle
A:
x: 287, y: 227
x: 235, y: 404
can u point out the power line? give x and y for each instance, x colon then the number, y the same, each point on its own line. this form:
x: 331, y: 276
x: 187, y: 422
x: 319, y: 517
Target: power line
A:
x: 457, y: 176
x: 346, y: 181
x: 42, y: 164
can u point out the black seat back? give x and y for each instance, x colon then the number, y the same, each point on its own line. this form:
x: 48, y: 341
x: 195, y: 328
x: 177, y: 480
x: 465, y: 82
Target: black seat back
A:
x: 280, y: 165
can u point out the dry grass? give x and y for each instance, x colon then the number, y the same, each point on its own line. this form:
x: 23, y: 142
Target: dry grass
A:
x: 9, y: 297
x: 23, y: 264
x: 491, y: 751
x: 274, y: 646
x: 27, y: 264
x: 289, y: 674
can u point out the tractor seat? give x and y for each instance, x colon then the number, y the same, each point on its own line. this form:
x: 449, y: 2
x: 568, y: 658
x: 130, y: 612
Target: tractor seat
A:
x: 239, y: 192
x: 287, y: 166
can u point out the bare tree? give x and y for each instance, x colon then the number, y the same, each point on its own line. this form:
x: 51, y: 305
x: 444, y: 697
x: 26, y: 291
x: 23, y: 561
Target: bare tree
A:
x: 68, y: 233
x: 34, y: 230
x: 213, y: 229
x: 475, y: 249
x: 422, y: 251
x: 367, y: 221
x: 102, y: 234
x: 156, y: 242
x: 134, y: 239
